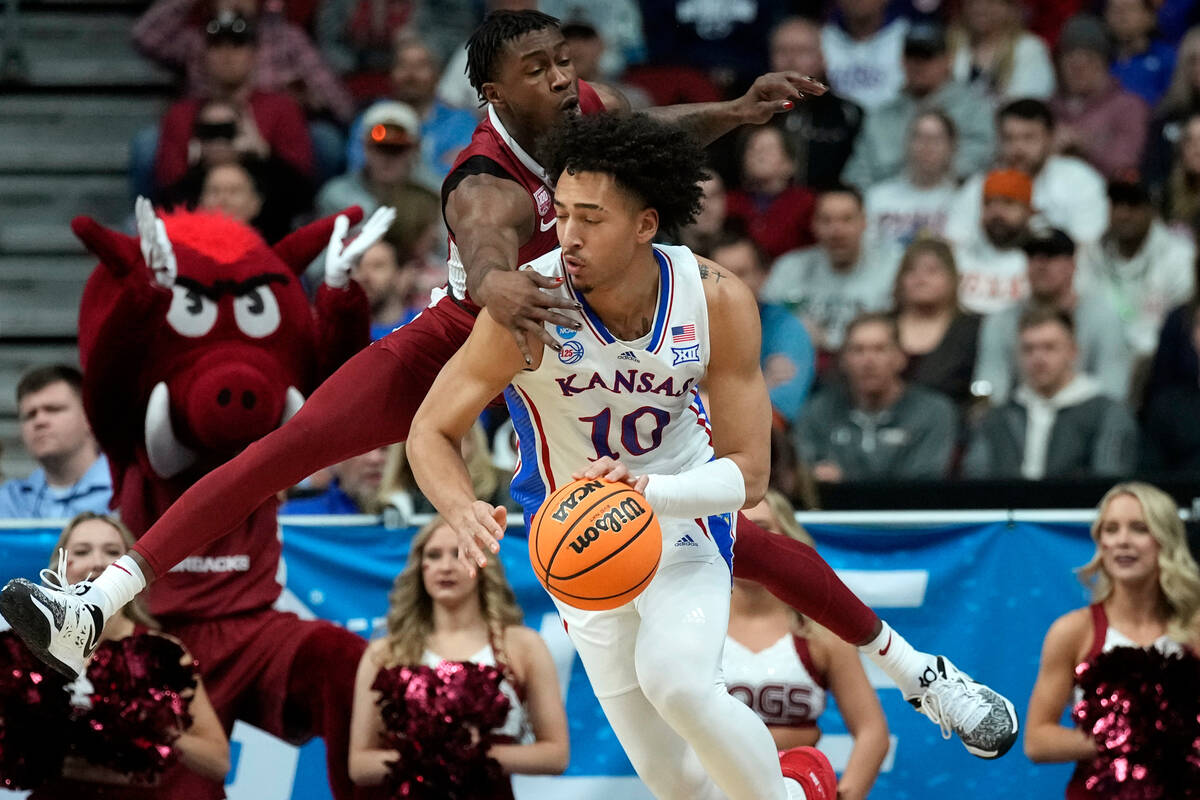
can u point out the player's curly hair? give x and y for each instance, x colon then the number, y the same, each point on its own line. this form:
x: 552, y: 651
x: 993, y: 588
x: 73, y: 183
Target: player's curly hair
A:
x: 658, y: 162
x: 487, y: 42
x: 410, y: 608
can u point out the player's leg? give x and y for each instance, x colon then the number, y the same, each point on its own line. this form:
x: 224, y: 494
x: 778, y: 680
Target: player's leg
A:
x: 685, y: 614
x: 985, y: 721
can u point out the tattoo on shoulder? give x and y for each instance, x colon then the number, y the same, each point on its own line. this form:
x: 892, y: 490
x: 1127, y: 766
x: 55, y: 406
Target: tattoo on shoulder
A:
x: 706, y: 272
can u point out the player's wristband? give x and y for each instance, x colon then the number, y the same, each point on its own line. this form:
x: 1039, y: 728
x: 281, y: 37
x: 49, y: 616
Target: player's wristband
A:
x: 713, y: 488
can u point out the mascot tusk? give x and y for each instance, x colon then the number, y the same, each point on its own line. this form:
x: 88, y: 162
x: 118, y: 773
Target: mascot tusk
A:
x: 291, y: 404
x: 168, y: 457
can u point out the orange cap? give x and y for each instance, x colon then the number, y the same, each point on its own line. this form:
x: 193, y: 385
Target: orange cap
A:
x: 1010, y: 183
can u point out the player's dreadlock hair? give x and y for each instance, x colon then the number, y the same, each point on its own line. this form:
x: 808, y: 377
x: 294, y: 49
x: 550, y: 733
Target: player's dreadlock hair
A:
x: 660, y: 163
x: 489, y: 39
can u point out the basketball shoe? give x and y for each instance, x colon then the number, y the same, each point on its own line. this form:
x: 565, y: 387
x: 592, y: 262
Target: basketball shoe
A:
x: 984, y: 720
x: 809, y: 767
x: 59, y: 623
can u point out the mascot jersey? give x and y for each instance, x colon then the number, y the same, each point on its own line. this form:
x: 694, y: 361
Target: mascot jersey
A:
x: 493, y: 151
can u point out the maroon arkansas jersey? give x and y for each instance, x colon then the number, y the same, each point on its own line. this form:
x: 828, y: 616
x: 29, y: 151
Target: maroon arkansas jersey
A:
x: 493, y: 151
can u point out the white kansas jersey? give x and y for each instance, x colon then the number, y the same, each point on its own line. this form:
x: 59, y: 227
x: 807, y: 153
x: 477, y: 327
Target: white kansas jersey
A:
x: 600, y: 396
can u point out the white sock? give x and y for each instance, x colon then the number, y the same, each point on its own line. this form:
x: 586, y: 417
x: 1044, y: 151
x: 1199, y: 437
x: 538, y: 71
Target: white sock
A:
x: 117, y: 585
x: 896, y: 657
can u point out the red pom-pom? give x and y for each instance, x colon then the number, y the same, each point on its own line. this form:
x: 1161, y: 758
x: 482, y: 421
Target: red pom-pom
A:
x: 439, y: 720
x: 1143, y: 710
x: 34, y: 708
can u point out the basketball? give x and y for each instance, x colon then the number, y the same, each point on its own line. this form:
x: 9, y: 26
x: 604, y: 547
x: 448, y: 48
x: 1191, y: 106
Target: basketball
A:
x: 595, y: 544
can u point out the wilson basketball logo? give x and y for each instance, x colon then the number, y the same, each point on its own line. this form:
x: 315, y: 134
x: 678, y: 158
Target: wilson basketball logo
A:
x: 612, y: 521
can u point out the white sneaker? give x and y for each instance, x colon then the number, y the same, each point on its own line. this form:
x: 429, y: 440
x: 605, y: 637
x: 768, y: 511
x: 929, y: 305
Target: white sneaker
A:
x: 984, y: 720
x: 58, y: 625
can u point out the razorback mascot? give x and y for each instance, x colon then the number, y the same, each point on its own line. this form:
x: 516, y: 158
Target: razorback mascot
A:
x: 196, y: 338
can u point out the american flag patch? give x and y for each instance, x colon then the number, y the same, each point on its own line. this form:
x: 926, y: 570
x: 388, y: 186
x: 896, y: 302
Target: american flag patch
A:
x: 683, y: 333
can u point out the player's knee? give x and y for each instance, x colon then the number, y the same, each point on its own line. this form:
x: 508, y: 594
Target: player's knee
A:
x: 675, y: 694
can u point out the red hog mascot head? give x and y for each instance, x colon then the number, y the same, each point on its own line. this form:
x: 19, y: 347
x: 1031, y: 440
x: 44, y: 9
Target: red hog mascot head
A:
x: 196, y: 338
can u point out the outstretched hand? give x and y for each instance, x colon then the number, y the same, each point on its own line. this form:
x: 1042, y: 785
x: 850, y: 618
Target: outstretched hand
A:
x: 340, y: 257
x: 613, y: 470
x: 479, y: 528
x: 156, y: 247
x: 776, y: 92
x: 515, y: 300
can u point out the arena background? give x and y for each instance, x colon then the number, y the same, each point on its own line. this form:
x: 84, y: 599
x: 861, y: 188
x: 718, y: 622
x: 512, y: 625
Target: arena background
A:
x: 979, y: 586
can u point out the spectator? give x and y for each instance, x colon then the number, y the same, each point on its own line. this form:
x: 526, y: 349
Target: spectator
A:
x: 1058, y: 421
x: 1097, y: 120
x: 876, y: 426
x: 1140, y: 265
x: 993, y: 52
x: 1175, y: 362
x: 356, y: 36
x: 391, y: 133
x: 775, y: 211
x: 72, y: 475
x: 938, y: 338
x: 589, y: 54
x: 1181, y: 198
x: 783, y: 666
x: 354, y: 490
x: 990, y: 261
x: 266, y: 123
x: 879, y: 152
x: 1095, y: 326
x: 129, y: 690
x: 788, y: 359
x: 1067, y: 192
x: 862, y: 52
x: 437, y: 613
x: 444, y: 131
x: 285, y: 60
x: 246, y: 190
x: 390, y: 286
x: 710, y: 222
x: 1143, y: 62
x: 917, y: 201
x: 617, y: 26
x: 1145, y: 589
x: 842, y: 275
x: 1170, y: 436
x: 822, y: 129
x: 1181, y: 101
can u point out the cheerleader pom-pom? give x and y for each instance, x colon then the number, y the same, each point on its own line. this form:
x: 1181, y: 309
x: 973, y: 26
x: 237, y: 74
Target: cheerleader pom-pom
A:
x: 139, y: 706
x: 1143, y: 710
x: 34, y: 710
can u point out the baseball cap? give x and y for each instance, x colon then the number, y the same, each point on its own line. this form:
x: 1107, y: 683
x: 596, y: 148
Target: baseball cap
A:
x: 1048, y: 242
x: 391, y: 122
x: 1085, y: 32
x: 925, y: 40
x: 1010, y: 183
x: 1128, y: 193
x: 229, y: 26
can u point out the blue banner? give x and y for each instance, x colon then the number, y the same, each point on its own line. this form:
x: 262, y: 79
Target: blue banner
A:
x: 981, y: 594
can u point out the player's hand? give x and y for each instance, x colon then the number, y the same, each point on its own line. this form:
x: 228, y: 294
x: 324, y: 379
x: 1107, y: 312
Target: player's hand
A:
x: 776, y: 92
x: 479, y: 528
x: 156, y: 247
x: 613, y: 470
x: 340, y: 258
x: 515, y: 300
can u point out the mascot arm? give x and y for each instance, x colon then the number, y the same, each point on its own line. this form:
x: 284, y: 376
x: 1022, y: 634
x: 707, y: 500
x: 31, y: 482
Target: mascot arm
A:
x: 343, y: 326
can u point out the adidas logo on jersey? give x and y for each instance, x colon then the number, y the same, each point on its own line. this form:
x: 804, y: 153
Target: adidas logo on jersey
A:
x: 686, y: 541
x: 628, y: 356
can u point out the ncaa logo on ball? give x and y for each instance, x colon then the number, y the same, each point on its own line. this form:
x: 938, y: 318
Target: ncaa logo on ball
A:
x: 570, y: 353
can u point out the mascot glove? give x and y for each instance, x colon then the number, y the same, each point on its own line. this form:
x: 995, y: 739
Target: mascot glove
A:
x: 156, y: 247
x: 341, y: 257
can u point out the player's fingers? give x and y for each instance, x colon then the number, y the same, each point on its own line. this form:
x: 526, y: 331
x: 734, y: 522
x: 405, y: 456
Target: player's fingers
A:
x: 543, y: 281
x: 806, y: 83
x: 640, y: 484
x: 522, y: 345
x: 544, y: 336
x: 500, y: 514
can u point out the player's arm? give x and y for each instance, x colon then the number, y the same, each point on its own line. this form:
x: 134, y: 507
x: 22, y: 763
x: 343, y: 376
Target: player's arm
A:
x: 550, y: 751
x: 478, y: 372
x: 203, y: 747
x: 769, y: 95
x: 369, y: 759
x: 491, y: 217
x: 1046, y: 738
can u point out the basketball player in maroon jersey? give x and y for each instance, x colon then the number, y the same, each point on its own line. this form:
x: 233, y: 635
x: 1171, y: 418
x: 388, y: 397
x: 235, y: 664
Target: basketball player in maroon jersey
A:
x: 498, y: 207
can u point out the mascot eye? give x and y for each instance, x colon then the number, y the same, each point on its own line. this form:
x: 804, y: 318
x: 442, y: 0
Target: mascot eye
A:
x: 191, y: 314
x: 257, y: 312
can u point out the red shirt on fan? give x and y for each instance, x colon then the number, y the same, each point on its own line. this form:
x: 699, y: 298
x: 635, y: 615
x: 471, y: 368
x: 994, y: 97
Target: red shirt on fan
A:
x: 777, y: 224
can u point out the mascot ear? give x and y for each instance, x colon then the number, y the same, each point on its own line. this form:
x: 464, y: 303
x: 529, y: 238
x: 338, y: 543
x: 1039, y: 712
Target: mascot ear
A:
x: 300, y: 247
x: 116, y: 251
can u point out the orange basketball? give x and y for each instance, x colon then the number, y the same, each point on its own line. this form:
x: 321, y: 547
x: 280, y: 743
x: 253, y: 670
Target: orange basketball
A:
x: 595, y: 544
